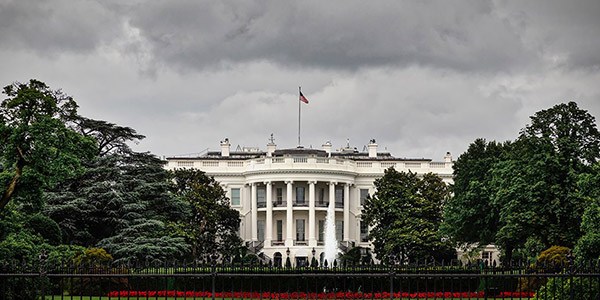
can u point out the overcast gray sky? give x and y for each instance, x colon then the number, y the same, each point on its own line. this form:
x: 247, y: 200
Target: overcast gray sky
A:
x: 421, y: 77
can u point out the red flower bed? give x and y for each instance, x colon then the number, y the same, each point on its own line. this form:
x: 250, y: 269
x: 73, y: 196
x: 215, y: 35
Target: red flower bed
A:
x: 302, y: 295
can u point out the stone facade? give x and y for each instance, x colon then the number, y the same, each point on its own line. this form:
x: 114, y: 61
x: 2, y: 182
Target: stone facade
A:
x: 283, y: 194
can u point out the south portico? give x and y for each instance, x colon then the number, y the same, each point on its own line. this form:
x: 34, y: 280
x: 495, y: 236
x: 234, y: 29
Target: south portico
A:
x: 288, y: 213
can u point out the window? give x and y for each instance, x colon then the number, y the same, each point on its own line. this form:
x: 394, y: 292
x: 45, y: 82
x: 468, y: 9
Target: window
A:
x: 261, y: 197
x: 486, y: 255
x: 339, y: 230
x: 279, y: 230
x: 260, y: 224
x: 235, y: 197
x: 300, y: 195
x: 364, y: 193
x: 321, y: 229
x: 339, y: 197
x: 364, y: 232
x: 279, y: 196
x: 322, y: 196
x: 300, y: 230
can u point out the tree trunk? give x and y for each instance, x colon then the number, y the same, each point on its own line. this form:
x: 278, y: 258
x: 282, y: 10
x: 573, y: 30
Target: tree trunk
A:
x: 13, y: 184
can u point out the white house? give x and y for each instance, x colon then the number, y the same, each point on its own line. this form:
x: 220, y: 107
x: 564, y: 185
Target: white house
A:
x: 283, y: 194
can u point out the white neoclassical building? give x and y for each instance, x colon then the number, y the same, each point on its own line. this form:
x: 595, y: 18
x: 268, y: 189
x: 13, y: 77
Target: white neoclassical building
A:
x: 283, y: 194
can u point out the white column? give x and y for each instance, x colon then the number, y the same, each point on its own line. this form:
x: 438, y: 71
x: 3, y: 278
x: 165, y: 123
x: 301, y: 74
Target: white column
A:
x: 312, y: 241
x: 346, y: 212
x: 269, y: 221
x: 254, y: 214
x: 289, y: 222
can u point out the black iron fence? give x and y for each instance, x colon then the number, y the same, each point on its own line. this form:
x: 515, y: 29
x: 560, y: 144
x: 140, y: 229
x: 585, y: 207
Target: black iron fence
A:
x: 201, y: 280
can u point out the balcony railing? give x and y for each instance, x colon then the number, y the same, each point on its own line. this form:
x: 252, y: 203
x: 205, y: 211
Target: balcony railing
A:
x: 300, y: 203
x: 322, y: 204
x: 277, y: 243
x: 339, y: 205
x: 317, y: 162
x: 261, y: 204
x: 279, y: 203
x: 300, y: 243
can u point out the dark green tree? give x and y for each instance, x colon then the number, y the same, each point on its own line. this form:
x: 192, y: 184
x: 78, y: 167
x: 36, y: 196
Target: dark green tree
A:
x: 588, y: 245
x: 122, y: 202
x: 405, y: 214
x: 212, y: 226
x: 37, y: 146
x: 149, y: 207
x: 470, y: 216
x: 537, y: 183
x: 527, y: 193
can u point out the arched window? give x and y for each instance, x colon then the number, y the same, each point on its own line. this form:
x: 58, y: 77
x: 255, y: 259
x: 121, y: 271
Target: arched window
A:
x: 277, y: 260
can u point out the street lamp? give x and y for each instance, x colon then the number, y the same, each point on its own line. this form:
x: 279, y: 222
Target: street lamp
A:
x: 288, y: 262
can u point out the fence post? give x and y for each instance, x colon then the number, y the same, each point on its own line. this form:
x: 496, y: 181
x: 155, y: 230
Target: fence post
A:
x: 392, y: 275
x: 571, y: 272
x: 42, y: 270
x: 213, y: 263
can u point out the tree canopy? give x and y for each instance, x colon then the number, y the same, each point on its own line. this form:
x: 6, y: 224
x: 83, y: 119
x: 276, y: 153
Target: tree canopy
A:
x: 68, y: 179
x: 36, y: 140
x: 528, y: 192
x: 212, y: 226
x: 470, y: 215
x: 404, y: 216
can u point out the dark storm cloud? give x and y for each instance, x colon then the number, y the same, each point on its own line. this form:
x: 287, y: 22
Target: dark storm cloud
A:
x: 52, y: 27
x: 476, y: 36
x: 565, y: 31
x: 327, y: 34
x: 422, y: 77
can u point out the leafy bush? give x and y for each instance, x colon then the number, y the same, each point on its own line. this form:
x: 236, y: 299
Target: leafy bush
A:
x: 47, y: 228
x: 93, y: 257
x: 551, y: 260
x: 20, y: 246
x: 94, y: 261
x: 560, y: 288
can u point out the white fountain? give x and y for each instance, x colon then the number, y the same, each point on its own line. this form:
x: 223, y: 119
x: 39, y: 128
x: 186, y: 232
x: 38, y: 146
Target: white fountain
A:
x: 331, y: 243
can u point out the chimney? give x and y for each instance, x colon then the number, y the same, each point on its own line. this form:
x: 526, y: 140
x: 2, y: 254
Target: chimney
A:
x: 225, y: 146
x: 448, y: 157
x: 327, y: 148
x: 372, y: 148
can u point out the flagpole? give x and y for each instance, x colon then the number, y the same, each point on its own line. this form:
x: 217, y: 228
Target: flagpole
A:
x: 299, y: 92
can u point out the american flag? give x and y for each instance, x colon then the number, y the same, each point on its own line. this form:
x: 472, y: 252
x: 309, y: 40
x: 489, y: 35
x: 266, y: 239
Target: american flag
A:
x: 303, y: 99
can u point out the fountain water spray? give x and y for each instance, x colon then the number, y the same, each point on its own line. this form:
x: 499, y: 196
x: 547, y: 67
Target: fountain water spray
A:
x: 331, y: 243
